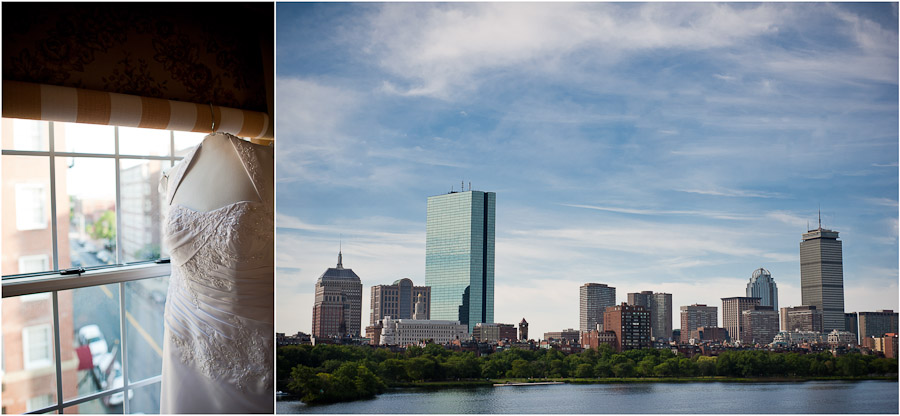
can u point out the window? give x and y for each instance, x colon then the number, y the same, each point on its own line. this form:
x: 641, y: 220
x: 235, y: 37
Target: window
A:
x: 27, y: 135
x: 36, y: 346
x: 31, y: 213
x: 34, y: 264
x: 84, y: 197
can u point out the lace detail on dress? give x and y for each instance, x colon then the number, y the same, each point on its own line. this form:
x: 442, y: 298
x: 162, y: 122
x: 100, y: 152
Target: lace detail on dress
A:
x: 251, y: 164
x: 244, y: 226
x: 242, y: 358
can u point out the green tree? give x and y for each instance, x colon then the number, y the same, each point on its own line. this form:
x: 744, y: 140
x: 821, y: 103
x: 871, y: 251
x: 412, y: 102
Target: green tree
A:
x: 520, y: 369
x: 420, y: 368
x: 584, y: 371
x: 104, y: 228
x: 706, y: 366
x: 624, y: 369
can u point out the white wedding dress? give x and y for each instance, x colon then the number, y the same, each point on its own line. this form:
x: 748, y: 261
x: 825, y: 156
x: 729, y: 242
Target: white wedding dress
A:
x: 218, y: 346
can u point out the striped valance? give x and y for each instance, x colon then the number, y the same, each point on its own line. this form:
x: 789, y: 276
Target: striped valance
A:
x: 52, y: 103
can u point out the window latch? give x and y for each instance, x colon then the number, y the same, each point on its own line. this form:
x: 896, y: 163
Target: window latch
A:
x: 74, y: 270
x: 163, y: 261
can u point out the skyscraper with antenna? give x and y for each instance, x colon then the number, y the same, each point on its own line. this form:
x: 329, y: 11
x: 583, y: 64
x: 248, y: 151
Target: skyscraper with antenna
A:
x: 822, y: 275
x: 459, y: 256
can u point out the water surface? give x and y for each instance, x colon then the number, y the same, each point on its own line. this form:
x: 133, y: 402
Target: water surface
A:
x: 708, y: 397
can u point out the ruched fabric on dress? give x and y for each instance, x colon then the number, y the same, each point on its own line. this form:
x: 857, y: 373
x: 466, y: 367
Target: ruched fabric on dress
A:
x: 218, y: 346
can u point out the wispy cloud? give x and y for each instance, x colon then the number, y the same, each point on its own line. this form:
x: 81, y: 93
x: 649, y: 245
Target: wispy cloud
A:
x: 733, y: 193
x: 635, y: 211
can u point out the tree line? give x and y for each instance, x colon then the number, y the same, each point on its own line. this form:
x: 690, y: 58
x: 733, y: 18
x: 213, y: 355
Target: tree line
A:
x: 333, y: 373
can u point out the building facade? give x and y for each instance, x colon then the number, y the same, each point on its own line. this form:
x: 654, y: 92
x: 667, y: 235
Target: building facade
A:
x: 398, y: 300
x: 493, y: 332
x: 337, y: 311
x: 851, y: 322
x: 762, y: 286
x: 760, y: 325
x: 459, y: 256
x: 523, y: 330
x: 876, y: 324
x: 732, y: 310
x: 404, y: 332
x: 631, y: 325
x: 696, y: 316
x: 801, y: 318
x: 793, y: 338
x: 822, y: 275
x: 660, y: 307
x: 569, y: 335
x: 594, y: 298
x: 838, y: 338
x: 593, y: 339
x: 704, y: 335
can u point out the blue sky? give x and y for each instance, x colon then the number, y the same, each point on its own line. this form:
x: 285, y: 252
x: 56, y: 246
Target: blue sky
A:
x: 666, y: 147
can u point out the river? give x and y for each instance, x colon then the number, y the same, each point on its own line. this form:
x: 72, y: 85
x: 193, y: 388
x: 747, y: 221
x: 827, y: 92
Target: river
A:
x: 702, y: 397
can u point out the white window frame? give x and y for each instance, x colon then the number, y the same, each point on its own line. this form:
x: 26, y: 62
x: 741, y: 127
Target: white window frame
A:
x: 24, y: 212
x: 29, y: 362
x: 51, y: 282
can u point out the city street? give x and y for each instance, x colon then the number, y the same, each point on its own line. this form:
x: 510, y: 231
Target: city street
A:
x: 144, y: 302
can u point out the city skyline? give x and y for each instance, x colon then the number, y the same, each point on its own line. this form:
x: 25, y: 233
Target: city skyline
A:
x: 643, y: 146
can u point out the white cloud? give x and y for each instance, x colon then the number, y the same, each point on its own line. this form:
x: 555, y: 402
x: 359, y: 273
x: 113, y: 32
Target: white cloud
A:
x: 700, y: 213
x: 440, y: 50
x: 733, y: 192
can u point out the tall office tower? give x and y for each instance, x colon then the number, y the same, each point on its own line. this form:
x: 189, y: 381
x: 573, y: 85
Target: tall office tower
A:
x: 337, y: 311
x: 822, y: 275
x: 759, y: 324
x: 523, y: 330
x: 397, y: 300
x: 459, y: 256
x: 732, y: 308
x: 631, y: 324
x: 801, y: 318
x: 851, y: 322
x: 696, y: 316
x: 594, y: 298
x: 762, y: 286
x: 876, y: 324
x: 660, y: 307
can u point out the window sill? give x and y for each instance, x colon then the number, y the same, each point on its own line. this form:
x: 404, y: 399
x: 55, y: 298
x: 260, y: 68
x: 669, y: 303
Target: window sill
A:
x: 55, y: 282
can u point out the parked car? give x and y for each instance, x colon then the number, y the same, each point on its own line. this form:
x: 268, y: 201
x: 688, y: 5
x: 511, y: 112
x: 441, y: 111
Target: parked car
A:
x: 116, y: 380
x: 91, y: 336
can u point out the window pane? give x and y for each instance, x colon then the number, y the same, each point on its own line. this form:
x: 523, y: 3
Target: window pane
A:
x: 27, y: 235
x: 145, y: 399
x: 185, y: 141
x: 141, y: 203
x: 144, y: 304
x: 103, y: 405
x: 29, y: 369
x: 144, y: 142
x: 97, y: 340
x: 90, y: 205
x: 84, y: 138
x: 21, y: 134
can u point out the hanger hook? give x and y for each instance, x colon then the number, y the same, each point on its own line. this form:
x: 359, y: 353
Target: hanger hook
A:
x: 212, y: 115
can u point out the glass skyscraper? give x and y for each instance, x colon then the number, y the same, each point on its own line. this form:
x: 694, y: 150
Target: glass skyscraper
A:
x: 459, y: 256
x: 763, y: 286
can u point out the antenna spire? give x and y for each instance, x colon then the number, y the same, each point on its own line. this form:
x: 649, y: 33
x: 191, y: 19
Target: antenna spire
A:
x: 820, y: 217
x: 340, y: 264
